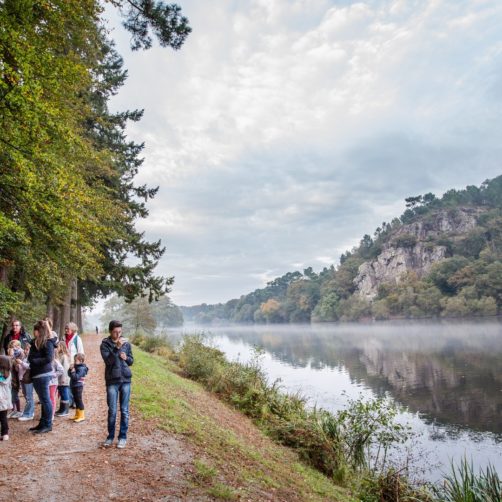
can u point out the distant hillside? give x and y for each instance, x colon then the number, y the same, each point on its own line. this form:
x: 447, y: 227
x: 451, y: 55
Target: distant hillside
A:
x: 442, y: 257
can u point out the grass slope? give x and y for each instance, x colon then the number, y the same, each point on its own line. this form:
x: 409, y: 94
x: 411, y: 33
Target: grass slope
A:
x: 236, y: 460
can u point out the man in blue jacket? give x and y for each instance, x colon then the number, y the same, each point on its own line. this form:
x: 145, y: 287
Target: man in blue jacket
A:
x: 117, y: 355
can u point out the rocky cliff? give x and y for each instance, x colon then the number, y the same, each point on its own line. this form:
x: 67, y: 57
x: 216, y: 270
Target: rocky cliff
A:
x: 414, y: 248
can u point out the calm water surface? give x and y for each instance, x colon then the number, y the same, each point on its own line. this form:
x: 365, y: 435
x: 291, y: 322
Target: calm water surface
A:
x: 447, y: 377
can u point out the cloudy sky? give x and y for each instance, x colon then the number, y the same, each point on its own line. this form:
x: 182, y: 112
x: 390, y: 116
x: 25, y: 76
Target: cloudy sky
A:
x: 286, y: 129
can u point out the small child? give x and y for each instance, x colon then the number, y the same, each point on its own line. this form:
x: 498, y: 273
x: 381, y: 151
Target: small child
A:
x: 53, y: 384
x: 5, y: 395
x: 77, y: 373
x: 15, y: 351
x: 23, y: 368
x: 63, y: 356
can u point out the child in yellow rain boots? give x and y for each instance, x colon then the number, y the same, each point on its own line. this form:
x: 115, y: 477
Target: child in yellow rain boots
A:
x: 77, y: 373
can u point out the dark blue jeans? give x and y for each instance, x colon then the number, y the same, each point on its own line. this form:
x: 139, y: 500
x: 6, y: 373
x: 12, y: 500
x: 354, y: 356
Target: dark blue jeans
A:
x: 29, y: 409
x: 64, y: 393
x: 118, y: 392
x: 41, y: 386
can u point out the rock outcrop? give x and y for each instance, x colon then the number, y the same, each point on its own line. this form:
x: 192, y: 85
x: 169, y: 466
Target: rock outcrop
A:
x: 412, y: 248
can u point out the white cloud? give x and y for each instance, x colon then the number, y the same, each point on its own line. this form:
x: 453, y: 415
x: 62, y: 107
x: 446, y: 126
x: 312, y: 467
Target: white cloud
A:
x: 283, y: 131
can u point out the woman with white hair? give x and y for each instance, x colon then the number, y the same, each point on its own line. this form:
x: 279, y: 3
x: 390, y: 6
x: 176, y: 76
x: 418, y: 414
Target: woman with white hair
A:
x: 73, y: 341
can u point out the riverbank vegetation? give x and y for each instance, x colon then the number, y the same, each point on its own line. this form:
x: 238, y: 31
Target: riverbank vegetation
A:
x: 234, y: 460
x: 463, y: 484
x: 69, y: 204
x: 464, y: 280
x: 352, y: 448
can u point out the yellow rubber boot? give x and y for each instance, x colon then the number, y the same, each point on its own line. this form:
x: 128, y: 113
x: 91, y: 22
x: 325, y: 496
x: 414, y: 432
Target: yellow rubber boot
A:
x: 81, y: 416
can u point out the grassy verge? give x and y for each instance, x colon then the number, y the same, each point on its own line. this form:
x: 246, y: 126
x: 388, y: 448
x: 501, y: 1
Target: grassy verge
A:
x: 235, y: 459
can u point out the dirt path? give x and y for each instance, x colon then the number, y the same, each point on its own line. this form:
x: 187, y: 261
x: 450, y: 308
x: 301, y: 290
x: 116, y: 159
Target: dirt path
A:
x: 69, y: 464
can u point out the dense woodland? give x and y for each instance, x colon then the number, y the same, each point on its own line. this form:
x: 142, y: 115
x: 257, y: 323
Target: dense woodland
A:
x: 68, y: 201
x: 468, y: 282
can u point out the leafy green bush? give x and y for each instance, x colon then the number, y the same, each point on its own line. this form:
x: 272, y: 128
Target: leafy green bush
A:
x: 9, y: 302
x: 198, y: 361
x: 153, y: 344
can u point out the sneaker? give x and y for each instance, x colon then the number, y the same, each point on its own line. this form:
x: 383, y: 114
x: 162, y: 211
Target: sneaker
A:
x: 24, y: 418
x: 16, y: 414
x: 11, y: 413
x: 108, y: 443
x: 122, y: 443
x: 5, y: 438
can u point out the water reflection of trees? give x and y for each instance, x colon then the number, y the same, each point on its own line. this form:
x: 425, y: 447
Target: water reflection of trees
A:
x: 449, y: 372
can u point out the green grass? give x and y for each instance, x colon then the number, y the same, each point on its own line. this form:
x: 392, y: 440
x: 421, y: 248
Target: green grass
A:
x: 222, y: 491
x: 232, y: 463
x: 204, y: 473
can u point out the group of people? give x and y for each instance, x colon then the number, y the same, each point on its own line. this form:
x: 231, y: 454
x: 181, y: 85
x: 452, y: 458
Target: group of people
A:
x: 53, y: 368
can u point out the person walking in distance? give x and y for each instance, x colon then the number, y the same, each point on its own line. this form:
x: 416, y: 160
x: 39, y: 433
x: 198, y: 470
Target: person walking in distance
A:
x: 117, y: 354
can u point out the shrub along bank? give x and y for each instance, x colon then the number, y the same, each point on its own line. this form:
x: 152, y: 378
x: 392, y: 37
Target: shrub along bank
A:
x: 232, y: 459
x: 350, y: 448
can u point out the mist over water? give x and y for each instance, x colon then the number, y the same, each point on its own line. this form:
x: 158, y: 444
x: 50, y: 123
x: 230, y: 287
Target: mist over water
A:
x: 446, y: 375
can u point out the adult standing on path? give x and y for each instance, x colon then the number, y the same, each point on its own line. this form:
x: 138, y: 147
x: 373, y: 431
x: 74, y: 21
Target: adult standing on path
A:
x: 75, y: 346
x: 16, y: 333
x: 73, y: 341
x: 117, y: 355
x: 40, y: 358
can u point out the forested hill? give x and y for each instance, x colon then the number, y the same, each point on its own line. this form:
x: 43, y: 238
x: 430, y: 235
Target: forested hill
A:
x: 442, y: 257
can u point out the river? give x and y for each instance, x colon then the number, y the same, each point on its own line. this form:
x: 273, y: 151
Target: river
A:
x: 447, y: 376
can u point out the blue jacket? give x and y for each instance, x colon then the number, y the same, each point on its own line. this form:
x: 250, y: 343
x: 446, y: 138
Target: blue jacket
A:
x: 116, y: 369
x: 77, y: 375
x: 41, y: 359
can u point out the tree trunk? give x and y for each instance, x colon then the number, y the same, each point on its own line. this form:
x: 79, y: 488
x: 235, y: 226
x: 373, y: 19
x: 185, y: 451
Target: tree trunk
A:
x: 73, y: 300
x: 4, y: 279
x: 80, y: 320
x: 56, y: 319
x: 66, y: 309
x: 49, y: 312
x: 5, y: 330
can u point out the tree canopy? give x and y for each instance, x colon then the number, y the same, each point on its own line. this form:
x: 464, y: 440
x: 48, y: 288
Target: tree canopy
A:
x: 68, y: 201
